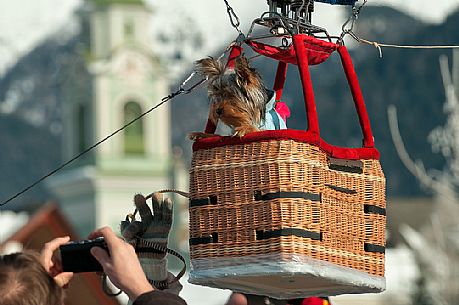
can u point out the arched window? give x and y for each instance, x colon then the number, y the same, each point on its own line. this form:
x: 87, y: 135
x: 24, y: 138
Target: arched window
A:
x: 133, y: 134
x: 129, y: 29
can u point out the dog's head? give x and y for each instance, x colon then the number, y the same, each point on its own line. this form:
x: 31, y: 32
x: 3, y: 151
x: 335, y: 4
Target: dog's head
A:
x: 237, y: 95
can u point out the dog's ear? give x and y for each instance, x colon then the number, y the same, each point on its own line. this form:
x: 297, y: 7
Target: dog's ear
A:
x: 245, y: 76
x: 210, y: 67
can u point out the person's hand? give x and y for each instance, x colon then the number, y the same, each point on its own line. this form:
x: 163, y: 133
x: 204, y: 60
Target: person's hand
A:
x: 153, y: 229
x: 122, y: 265
x: 52, y: 263
x: 155, y: 223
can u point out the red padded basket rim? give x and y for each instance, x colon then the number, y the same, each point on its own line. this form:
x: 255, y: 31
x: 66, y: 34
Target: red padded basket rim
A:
x: 361, y: 153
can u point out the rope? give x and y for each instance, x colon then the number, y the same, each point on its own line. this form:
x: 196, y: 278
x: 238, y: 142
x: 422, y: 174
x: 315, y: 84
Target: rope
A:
x: 182, y: 193
x: 386, y: 45
x: 340, y: 2
x: 379, y: 46
x: 348, y: 29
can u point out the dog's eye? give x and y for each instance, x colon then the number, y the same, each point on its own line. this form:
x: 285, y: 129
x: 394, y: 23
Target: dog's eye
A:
x: 219, y: 111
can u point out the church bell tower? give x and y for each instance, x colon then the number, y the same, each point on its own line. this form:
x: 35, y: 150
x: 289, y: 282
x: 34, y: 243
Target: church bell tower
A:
x: 121, y: 79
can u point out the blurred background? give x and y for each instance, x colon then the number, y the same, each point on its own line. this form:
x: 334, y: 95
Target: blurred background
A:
x: 74, y: 71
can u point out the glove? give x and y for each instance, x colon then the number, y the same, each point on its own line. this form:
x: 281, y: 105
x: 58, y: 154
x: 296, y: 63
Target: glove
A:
x: 150, y: 238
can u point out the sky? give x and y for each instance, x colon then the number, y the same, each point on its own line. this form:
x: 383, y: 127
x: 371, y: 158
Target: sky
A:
x: 24, y: 23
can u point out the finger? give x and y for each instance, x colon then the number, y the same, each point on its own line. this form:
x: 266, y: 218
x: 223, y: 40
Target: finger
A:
x: 62, y: 279
x: 132, y: 230
x: 144, y: 211
x: 102, y: 256
x: 110, y: 238
x: 167, y: 211
x: 49, y: 248
x: 124, y: 225
x: 156, y: 200
x: 95, y: 234
x: 53, y: 271
x: 55, y: 243
x: 57, y: 264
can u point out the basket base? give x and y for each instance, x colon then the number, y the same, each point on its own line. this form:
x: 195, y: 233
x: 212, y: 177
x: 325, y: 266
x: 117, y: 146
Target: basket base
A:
x: 279, y: 277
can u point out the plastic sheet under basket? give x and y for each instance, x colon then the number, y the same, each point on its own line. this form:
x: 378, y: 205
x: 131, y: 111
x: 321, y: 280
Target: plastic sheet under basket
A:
x: 282, y: 276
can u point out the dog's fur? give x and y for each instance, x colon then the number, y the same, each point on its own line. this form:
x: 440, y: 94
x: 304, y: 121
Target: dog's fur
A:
x: 237, y: 96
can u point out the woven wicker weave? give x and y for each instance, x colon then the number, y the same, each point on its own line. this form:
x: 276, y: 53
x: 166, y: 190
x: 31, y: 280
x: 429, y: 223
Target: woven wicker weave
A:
x: 234, y: 177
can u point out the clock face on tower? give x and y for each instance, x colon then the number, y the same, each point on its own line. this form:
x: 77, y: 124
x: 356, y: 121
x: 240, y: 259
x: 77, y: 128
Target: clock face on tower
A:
x: 132, y: 68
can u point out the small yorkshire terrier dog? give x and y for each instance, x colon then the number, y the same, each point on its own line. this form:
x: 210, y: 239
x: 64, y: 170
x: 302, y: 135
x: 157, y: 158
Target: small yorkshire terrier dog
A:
x: 238, y: 98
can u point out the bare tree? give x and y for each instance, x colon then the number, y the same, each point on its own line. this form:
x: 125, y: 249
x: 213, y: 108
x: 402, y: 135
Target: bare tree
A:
x: 436, y: 245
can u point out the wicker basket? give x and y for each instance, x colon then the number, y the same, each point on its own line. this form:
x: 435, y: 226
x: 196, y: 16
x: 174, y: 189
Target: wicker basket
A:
x: 284, y: 214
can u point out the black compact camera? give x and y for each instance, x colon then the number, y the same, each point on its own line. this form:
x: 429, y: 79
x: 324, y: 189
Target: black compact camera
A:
x: 76, y: 256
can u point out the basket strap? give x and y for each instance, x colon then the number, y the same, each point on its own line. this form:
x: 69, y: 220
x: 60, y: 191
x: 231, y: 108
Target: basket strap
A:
x: 236, y: 51
x: 368, y: 140
x: 308, y: 92
x: 281, y: 76
x: 210, y: 126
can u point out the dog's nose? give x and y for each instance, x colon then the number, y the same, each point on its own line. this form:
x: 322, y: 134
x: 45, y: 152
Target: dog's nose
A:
x: 219, y: 111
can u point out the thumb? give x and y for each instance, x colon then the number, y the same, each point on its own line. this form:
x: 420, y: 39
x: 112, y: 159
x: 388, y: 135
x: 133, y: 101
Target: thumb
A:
x: 101, y: 255
x: 131, y: 230
x: 62, y: 279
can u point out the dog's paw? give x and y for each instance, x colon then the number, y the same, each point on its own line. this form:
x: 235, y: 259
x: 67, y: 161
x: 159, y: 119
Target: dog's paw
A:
x: 243, y: 130
x: 199, y: 135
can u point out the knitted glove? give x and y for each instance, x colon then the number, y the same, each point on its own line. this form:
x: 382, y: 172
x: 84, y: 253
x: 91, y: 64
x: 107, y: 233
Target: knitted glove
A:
x: 150, y: 236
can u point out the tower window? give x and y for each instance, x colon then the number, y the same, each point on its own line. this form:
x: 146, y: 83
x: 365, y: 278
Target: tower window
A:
x: 134, y: 133
x: 129, y: 29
